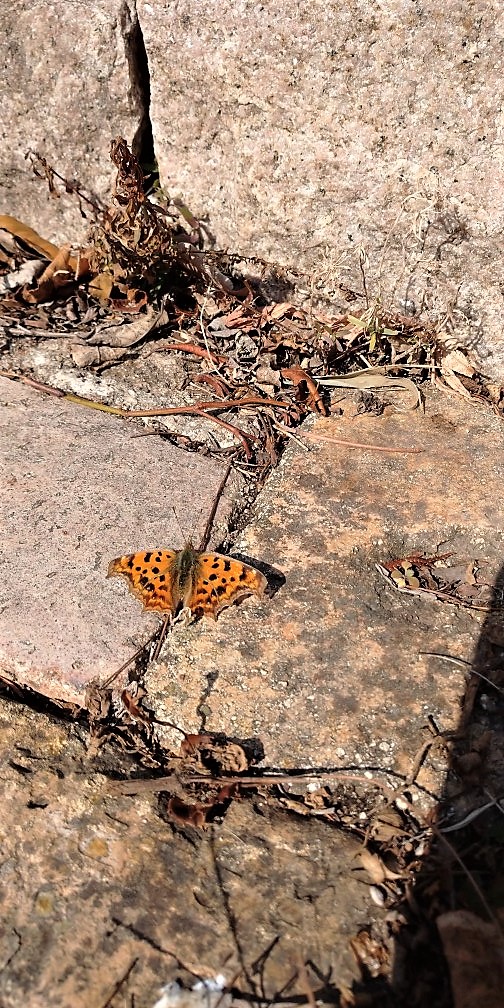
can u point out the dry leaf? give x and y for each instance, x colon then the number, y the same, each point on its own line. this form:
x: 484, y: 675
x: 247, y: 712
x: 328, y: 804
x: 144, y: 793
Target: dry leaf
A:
x: 31, y: 238
x: 132, y: 704
x: 132, y: 302
x: 59, y: 273
x: 304, y: 381
x: 28, y: 236
x: 191, y: 743
x: 457, y: 361
x: 101, y: 286
x: 376, y: 869
x: 84, y: 356
x: 370, y: 954
x: 126, y: 334
x: 451, y: 382
x: 187, y: 815
x: 376, y: 378
x: 274, y: 312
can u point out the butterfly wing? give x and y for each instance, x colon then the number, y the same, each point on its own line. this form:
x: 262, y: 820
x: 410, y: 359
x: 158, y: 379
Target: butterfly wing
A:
x: 219, y: 581
x: 151, y: 577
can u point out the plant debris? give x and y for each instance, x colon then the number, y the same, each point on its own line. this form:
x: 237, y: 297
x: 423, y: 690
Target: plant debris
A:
x: 146, y: 283
x: 461, y: 584
x: 146, y: 272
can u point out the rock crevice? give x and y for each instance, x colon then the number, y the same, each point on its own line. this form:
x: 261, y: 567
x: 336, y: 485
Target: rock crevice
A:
x: 140, y: 89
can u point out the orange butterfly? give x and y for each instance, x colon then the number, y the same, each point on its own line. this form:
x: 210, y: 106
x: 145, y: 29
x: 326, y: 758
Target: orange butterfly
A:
x: 167, y: 580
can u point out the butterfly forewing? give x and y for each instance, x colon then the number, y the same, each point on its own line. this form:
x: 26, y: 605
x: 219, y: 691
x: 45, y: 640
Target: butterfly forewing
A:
x: 152, y: 578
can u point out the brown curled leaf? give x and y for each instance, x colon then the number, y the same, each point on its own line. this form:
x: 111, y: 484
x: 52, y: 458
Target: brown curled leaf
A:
x: 306, y: 389
x: 61, y: 271
x: 191, y: 743
x: 187, y: 815
x: 132, y: 302
x: 132, y: 705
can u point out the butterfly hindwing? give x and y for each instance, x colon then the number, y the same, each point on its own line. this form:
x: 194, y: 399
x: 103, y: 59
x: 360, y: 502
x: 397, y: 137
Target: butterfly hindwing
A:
x: 220, y: 581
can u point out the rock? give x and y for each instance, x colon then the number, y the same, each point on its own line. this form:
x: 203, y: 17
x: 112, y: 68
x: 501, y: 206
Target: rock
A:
x: 346, y: 145
x: 473, y: 948
x: 79, y: 490
x: 331, y: 672
x: 335, y: 668
x: 102, y: 895
x: 72, y: 81
x: 320, y: 139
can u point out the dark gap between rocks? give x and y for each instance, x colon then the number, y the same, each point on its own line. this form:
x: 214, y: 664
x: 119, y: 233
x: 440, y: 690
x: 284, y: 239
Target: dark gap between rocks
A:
x: 140, y: 93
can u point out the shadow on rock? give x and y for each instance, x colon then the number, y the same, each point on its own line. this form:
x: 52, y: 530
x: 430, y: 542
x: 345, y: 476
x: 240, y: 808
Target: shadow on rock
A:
x: 451, y: 951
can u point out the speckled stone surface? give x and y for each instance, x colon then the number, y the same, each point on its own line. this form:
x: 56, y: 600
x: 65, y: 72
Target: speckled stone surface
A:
x: 70, y: 84
x: 331, y: 668
x: 78, y: 490
x: 324, y: 134
x: 104, y: 901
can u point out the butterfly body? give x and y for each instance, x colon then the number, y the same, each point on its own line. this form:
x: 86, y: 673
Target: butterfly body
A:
x: 167, y: 580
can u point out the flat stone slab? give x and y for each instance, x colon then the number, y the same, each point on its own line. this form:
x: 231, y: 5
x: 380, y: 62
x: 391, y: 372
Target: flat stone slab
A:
x: 334, y: 668
x: 112, y: 899
x: 99, y: 893
x: 78, y: 490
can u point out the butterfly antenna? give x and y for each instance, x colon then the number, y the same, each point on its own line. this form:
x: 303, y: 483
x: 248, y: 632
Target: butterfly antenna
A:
x: 208, y: 527
x: 184, y: 537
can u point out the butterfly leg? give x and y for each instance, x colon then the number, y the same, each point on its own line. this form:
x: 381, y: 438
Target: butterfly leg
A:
x: 162, y: 636
x: 182, y: 616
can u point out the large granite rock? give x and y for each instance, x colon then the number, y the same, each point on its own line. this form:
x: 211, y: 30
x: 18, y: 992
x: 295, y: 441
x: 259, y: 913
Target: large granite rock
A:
x: 78, y: 490
x: 327, y: 137
x: 74, y: 76
x: 320, y: 134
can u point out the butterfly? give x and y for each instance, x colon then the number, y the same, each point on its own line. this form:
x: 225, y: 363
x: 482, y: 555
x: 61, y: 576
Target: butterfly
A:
x: 168, y: 580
